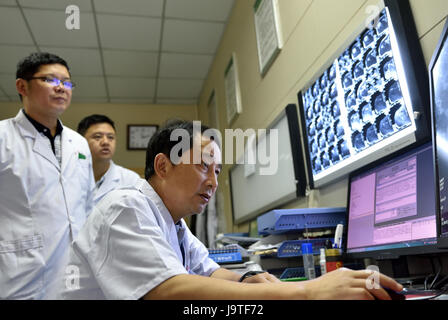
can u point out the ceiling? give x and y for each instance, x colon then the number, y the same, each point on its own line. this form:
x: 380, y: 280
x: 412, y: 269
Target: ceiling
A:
x: 125, y: 51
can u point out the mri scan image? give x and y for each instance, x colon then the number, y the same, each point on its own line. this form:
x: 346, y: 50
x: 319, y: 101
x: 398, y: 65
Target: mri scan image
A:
x: 357, y: 102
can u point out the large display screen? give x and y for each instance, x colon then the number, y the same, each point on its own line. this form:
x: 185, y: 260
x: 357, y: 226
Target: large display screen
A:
x: 391, y: 206
x: 439, y: 103
x: 361, y: 107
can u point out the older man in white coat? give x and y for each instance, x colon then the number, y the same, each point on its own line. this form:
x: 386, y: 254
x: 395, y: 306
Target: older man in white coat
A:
x: 46, y: 182
x: 99, y: 130
x: 136, y: 243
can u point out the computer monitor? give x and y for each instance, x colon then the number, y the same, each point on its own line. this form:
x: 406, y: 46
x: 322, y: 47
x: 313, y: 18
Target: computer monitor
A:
x: 370, y: 100
x: 391, y: 206
x: 438, y: 76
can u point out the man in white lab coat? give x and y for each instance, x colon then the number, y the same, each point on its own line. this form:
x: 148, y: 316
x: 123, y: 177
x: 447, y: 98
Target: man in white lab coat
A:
x: 46, y: 182
x: 136, y: 243
x: 99, y: 130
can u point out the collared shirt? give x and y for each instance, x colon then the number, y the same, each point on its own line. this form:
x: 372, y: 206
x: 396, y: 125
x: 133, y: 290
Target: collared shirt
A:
x: 129, y: 245
x: 55, y: 141
x: 115, y: 177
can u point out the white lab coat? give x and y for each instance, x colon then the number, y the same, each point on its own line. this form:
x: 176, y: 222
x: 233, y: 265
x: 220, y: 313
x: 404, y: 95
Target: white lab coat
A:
x: 43, y: 205
x: 115, y: 177
x: 130, y: 245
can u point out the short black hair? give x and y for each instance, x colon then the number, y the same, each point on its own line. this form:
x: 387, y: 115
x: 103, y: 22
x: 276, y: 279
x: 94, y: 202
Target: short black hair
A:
x: 89, y: 121
x: 28, y: 66
x: 161, y: 141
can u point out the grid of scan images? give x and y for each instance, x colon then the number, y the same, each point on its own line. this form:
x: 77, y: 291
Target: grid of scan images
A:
x: 370, y: 107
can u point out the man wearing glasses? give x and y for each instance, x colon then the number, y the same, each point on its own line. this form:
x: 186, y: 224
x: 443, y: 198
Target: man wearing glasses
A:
x: 46, y: 182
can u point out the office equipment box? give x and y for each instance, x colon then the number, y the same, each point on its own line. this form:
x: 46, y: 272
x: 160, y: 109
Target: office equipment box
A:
x: 290, y: 220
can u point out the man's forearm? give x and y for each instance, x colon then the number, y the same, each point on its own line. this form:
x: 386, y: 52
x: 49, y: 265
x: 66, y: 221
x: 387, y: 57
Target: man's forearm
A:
x: 225, y: 274
x: 193, y: 287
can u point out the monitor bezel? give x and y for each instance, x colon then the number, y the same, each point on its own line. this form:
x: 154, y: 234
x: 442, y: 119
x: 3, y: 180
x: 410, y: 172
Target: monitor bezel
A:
x: 290, y: 111
x: 416, y: 77
x: 442, y: 241
x: 392, y: 253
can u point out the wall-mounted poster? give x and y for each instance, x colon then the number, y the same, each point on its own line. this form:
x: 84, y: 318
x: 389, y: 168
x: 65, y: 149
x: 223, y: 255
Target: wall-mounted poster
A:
x: 232, y: 86
x: 267, y: 29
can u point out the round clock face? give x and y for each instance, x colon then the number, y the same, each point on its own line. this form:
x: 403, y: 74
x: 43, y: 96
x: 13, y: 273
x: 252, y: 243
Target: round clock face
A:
x: 139, y: 136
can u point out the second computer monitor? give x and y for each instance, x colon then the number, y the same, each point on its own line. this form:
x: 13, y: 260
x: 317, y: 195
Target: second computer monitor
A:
x: 438, y: 75
x: 391, y: 206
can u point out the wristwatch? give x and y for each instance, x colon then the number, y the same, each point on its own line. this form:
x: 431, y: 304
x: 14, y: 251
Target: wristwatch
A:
x: 249, y: 274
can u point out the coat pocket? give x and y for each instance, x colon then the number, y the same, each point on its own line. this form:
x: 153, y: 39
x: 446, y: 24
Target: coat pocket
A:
x: 22, y: 268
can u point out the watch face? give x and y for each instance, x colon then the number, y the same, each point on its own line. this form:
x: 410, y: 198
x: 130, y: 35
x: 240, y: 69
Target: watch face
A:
x: 139, y: 135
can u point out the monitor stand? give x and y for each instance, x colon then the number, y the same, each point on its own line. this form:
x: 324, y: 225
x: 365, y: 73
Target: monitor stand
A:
x: 401, y: 273
x: 397, y: 268
x: 400, y: 267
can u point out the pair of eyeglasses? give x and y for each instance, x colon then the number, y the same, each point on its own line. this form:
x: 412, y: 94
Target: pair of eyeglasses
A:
x: 68, y: 84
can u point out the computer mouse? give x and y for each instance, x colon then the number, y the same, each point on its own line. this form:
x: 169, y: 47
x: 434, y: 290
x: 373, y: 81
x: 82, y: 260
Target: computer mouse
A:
x: 395, y: 295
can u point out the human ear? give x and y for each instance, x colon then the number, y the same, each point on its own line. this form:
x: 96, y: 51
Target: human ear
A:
x: 21, y: 87
x: 162, y: 165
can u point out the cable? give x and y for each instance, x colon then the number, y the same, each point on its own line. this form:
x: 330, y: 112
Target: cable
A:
x: 444, y: 279
x: 436, y: 276
x: 426, y: 281
x: 442, y: 291
x: 441, y: 282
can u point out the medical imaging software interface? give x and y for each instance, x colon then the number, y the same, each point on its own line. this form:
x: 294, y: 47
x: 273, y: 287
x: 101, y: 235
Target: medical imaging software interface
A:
x: 357, y: 102
x: 393, y: 204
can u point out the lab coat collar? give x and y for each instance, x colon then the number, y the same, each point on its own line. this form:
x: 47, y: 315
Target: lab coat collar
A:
x: 40, y: 146
x: 149, y: 191
x: 25, y: 126
x: 40, y: 142
x: 43, y: 129
x: 111, y: 173
x: 175, y: 232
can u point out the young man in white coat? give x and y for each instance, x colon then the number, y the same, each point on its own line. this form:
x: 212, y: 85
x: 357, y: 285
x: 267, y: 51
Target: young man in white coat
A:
x: 99, y: 130
x: 137, y: 245
x: 46, y: 182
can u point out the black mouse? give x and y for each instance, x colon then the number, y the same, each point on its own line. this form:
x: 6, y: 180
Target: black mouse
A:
x: 395, y: 295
